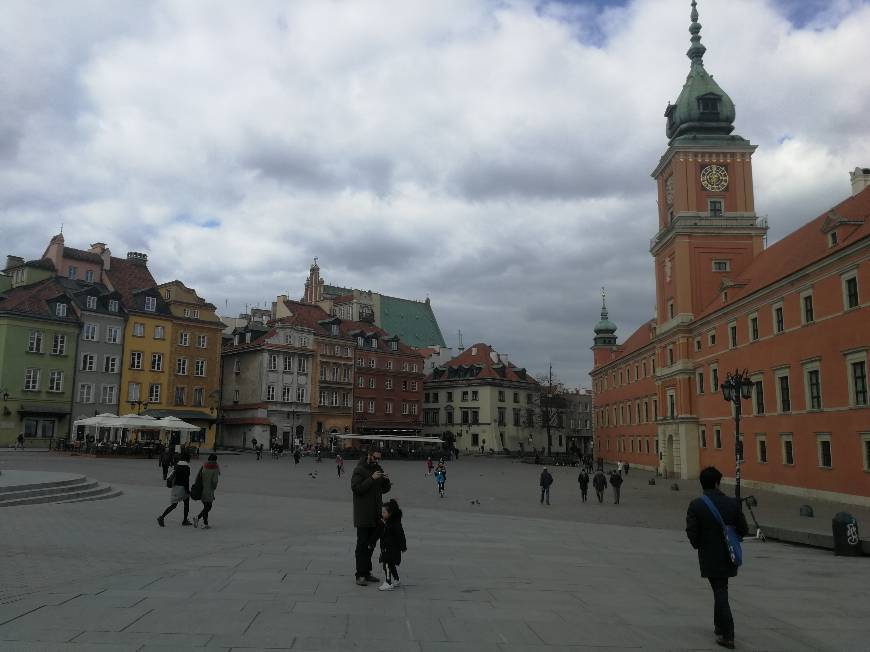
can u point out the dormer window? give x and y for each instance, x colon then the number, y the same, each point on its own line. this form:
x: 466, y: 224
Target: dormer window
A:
x: 832, y: 239
x: 150, y: 304
x: 709, y: 105
x: 92, y: 303
x: 360, y: 341
x: 374, y: 342
x: 334, y: 329
x: 394, y: 345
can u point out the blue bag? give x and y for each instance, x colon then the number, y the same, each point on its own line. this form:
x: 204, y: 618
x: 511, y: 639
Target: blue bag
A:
x: 732, y: 541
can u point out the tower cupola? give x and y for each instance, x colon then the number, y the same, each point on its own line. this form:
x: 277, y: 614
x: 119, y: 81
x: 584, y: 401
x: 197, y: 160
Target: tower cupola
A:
x: 702, y: 110
x: 605, y: 330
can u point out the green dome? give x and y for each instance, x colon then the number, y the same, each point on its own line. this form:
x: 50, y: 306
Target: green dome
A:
x: 605, y: 329
x: 605, y: 326
x: 703, y: 109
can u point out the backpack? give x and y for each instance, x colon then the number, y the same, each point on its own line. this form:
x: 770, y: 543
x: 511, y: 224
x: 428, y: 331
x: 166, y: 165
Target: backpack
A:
x: 732, y: 541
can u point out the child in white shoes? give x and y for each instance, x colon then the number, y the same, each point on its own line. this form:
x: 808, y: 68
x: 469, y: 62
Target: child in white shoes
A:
x: 393, y: 544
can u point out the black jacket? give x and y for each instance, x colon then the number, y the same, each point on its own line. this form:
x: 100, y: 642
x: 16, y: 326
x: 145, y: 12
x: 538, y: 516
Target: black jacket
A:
x: 181, y: 476
x: 393, y: 542
x: 583, y: 479
x: 599, y: 481
x: 705, y: 534
x: 546, y: 479
x: 615, y: 480
x: 367, y: 494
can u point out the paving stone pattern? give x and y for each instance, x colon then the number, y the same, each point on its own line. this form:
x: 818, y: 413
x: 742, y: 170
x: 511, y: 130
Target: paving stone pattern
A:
x: 276, y: 570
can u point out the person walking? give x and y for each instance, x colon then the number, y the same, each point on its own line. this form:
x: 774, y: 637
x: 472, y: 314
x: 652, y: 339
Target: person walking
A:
x: 339, y: 464
x: 626, y: 467
x: 179, y: 482
x: 599, y: 482
x: 429, y: 466
x: 368, y: 483
x: 20, y: 445
x: 616, y: 483
x: 706, y: 519
x: 440, y: 477
x: 208, y: 480
x: 393, y: 544
x: 165, y: 460
x: 546, y: 481
x: 619, y: 467
x: 583, y: 481
x: 296, y: 455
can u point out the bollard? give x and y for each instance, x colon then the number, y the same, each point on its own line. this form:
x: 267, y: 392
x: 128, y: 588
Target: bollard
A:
x: 847, y: 541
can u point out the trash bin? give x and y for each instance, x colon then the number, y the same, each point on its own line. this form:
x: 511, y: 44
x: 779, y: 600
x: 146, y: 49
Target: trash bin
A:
x: 846, y: 540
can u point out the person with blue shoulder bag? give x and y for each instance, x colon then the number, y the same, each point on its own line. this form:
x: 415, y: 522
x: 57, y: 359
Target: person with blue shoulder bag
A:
x: 715, y: 525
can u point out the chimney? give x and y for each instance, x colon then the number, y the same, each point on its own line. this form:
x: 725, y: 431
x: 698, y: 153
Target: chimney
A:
x: 103, y: 252
x: 860, y: 180
x: 14, y: 261
x: 137, y: 258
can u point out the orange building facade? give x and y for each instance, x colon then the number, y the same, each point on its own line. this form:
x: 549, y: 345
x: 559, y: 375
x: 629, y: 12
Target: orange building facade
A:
x: 794, y: 316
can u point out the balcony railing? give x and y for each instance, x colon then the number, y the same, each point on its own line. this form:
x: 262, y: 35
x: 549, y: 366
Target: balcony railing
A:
x: 710, y: 220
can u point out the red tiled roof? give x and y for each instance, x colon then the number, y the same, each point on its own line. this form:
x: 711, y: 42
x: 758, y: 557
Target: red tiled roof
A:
x: 33, y: 300
x: 426, y: 351
x: 481, y: 354
x: 801, y: 248
x: 636, y: 341
x: 126, y: 277
x: 81, y: 254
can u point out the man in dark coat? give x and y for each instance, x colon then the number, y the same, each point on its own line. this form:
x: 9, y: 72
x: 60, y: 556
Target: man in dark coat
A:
x: 599, y: 482
x: 546, y: 481
x: 583, y: 480
x: 368, y: 483
x: 706, y: 536
x: 616, y: 483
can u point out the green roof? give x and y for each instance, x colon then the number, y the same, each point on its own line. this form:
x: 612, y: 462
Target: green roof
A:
x: 413, y: 321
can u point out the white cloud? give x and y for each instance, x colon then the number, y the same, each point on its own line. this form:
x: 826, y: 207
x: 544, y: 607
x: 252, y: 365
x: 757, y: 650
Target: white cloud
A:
x: 493, y: 155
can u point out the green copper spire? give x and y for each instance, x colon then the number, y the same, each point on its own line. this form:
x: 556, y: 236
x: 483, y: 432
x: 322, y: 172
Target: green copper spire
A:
x: 696, y: 52
x: 703, y: 111
x: 605, y: 329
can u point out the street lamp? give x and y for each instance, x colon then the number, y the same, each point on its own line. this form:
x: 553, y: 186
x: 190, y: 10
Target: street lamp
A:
x: 737, y: 388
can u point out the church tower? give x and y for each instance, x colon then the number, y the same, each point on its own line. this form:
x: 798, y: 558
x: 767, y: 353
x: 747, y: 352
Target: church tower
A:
x: 708, y: 230
x: 314, y: 285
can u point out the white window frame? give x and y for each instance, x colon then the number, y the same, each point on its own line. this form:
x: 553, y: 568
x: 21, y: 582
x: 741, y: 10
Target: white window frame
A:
x: 134, y: 391
x: 89, y: 362
x: 138, y: 329
x: 113, y: 334
x: 91, y: 303
x: 803, y: 296
x: 777, y: 306
x: 108, y: 394
x: 113, y: 305
x: 154, y: 393
x: 783, y: 438
x: 136, y: 358
x: 824, y: 437
x: 31, y: 379
x: 750, y: 336
x: 181, y: 366
x: 85, y: 393
x: 199, y: 368
x: 34, y: 342
x: 156, y: 362
x: 270, y: 392
x: 159, y: 332
x: 110, y: 364
x: 202, y: 341
x: 777, y: 374
x: 718, y: 261
x: 812, y: 365
x: 55, y: 381
x: 851, y: 358
x: 150, y: 304
x: 851, y: 274
x: 60, y: 310
x: 58, y: 344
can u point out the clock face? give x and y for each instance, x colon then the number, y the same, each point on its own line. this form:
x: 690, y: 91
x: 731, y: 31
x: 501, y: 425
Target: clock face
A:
x: 714, y: 178
x: 669, y: 190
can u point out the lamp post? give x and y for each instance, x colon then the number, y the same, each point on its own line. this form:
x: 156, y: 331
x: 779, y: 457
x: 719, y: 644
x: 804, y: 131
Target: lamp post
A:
x: 737, y: 388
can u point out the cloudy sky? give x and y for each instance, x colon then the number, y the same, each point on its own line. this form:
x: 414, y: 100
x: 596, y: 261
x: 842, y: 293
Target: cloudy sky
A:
x: 493, y: 155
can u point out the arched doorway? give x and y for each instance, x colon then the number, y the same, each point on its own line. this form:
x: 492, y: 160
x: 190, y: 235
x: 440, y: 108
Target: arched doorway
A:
x: 669, y: 456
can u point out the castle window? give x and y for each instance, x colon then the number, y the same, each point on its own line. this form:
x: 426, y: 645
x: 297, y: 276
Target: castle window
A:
x: 832, y: 238
x: 716, y: 207
x: 721, y: 265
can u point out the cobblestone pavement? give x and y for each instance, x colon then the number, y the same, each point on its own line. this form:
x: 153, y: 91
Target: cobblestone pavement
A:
x: 276, y: 570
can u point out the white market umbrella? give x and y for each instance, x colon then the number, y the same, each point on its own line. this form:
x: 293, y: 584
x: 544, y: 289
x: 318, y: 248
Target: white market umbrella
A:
x: 104, y: 420
x: 174, y: 423
x: 138, y: 422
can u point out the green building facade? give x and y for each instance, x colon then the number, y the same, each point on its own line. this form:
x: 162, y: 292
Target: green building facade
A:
x: 39, y: 332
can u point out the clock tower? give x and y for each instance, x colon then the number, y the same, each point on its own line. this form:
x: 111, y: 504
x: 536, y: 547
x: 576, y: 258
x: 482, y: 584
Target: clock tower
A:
x: 708, y: 235
x: 708, y: 230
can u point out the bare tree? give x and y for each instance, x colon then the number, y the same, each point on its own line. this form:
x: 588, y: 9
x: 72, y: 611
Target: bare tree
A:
x: 548, y: 405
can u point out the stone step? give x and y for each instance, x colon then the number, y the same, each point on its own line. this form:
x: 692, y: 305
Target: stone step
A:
x: 41, y: 490
x: 39, y: 485
x: 92, y: 491
x: 110, y: 493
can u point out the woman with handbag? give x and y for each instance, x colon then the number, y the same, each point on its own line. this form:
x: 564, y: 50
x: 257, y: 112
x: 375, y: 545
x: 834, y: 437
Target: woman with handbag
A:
x: 204, y: 487
x: 179, y: 482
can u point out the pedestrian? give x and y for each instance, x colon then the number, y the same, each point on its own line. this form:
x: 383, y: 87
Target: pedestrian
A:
x: 583, y: 481
x: 368, y: 483
x: 20, y: 445
x: 456, y: 453
x: 165, y: 460
x: 260, y: 452
x: 706, y: 519
x: 599, y: 483
x: 619, y: 467
x: 296, y: 455
x: 616, y: 483
x: 440, y: 477
x: 429, y: 466
x: 546, y: 481
x: 393, y: 544
x: 208, y: 481
x: 179, y: 482
x: 339, y: 464
x: 625, y: 467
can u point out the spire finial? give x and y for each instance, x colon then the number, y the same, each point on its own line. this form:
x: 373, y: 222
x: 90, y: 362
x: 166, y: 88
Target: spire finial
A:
x: 697, y: 49
x: 603, y: 303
